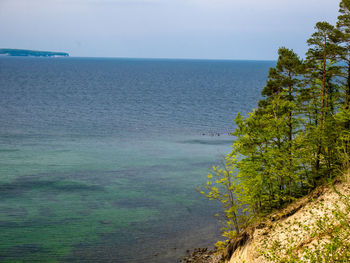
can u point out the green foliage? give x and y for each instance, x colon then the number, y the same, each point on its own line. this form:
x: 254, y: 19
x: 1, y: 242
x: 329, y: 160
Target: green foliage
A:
x: 321, y: 72
x: 222, y: 185
x: 342, y: 119
x: 268, y: 140
x: 297, y: 137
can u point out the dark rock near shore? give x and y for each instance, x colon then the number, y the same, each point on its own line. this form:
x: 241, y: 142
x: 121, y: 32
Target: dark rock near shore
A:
x: 202, y: 255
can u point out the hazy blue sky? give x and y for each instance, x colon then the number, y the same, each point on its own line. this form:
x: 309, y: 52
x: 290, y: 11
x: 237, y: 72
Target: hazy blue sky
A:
x: 214, y: 29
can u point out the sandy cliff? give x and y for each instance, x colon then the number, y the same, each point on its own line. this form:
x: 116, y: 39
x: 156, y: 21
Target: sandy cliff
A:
x: 295, y: 227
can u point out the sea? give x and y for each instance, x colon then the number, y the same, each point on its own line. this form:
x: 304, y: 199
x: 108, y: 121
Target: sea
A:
x: 100, y: 158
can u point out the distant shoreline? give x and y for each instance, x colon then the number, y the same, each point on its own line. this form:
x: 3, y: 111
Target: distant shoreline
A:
x: 214, y: 60
x: 30, y: 53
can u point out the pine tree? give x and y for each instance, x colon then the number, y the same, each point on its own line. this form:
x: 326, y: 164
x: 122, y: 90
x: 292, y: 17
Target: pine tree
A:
x: 343, y: 25
x: 281, y: 100
x: 284, y: 80
x: 322, y: 70
x: 298, y: 135
x: 265, y: 140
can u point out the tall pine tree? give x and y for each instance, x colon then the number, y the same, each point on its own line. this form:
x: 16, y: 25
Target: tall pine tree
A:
x: 322, y: 70
x: 343, y: 25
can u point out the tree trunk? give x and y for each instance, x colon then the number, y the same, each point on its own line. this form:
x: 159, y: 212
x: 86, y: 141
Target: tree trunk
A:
x: 319, y: 150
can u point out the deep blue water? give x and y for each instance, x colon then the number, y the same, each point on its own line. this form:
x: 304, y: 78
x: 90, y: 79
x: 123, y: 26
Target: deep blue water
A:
x: 100, y: 158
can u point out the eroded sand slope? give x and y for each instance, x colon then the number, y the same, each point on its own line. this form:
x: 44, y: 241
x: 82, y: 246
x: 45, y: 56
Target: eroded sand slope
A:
x: 291, y: 227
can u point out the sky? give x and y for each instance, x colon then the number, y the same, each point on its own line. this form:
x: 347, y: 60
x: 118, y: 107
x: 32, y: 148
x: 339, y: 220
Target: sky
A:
x: 196, y: 29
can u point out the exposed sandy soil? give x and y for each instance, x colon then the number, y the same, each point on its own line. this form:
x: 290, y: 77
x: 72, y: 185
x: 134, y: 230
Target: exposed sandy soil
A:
x: 293, y: 225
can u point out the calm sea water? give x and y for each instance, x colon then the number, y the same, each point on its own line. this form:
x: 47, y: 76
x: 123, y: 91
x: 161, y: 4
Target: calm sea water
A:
x: 100, y: 158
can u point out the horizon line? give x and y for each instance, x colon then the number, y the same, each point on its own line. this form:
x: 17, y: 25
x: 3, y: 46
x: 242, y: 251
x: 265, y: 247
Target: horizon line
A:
x: 146, y: 58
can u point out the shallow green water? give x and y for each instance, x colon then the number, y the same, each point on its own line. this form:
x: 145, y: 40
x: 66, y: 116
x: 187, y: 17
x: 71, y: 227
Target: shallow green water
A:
x: 99, y: 159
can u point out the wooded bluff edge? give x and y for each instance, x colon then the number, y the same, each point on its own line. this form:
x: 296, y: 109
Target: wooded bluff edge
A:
x: 295, y: 141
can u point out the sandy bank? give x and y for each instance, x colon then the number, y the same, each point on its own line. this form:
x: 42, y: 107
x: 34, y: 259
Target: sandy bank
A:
x: 296, y: 226
x: 305, y: 224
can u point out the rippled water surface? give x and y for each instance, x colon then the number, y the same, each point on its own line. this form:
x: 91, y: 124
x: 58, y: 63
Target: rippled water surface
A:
x: 100, y: 158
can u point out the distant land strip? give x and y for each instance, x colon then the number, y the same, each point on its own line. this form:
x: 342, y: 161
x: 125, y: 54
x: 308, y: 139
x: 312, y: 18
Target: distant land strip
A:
x: 30, y: 53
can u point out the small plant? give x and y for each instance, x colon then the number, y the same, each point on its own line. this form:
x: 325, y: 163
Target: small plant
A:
x: 222, y: 186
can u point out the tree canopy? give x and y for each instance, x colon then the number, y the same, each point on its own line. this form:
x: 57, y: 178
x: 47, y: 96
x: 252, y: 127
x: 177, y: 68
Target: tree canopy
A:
x: 298, y: 136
